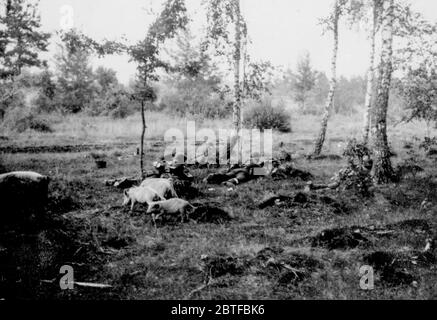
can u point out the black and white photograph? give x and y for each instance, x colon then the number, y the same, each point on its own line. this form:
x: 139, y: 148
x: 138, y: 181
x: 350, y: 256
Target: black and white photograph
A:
x: 218, y: 150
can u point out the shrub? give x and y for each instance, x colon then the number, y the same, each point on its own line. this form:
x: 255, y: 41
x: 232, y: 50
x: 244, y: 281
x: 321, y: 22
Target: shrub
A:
x: 47, y: 99
x: 22, y: 119
x: 62, y: 197
x: 195, y: 99
x: 121, y: 112
x: 44, y: 104
x: 263, y: 115
x: 114, y: 103
x: 120, y: 106
x: 428, y: 144
x: 14, y: 97
x: 419, y: 91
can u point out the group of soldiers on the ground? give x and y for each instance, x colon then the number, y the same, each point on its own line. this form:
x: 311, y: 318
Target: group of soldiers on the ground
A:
x: 356, y: 175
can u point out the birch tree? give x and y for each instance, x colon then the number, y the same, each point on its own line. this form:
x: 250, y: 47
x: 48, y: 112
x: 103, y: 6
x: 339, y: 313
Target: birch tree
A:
x: 375, y: 9
x: 383, y: 170
x: 332, y: 23
x: 223, y: 16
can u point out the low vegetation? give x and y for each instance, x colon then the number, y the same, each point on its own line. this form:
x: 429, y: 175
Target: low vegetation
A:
x: 263, y: 115
x: 310, y: 248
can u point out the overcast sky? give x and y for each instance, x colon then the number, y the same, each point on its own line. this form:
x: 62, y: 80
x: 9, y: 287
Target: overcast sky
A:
x: 281, y: 30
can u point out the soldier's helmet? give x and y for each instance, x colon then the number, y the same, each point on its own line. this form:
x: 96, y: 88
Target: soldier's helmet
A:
x: 367, y: 163
x: 178, y: 160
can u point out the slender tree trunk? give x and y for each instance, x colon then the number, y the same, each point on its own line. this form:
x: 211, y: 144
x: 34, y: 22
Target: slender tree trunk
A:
x: 143, y: 133
x: 245, y: 59
x: 370, y: 75
x: 237, y: 85
x: 8, y: 7
x: 333, y: 83
x: 5, y: 41
x: 383, y: 170
x: 19, y: 64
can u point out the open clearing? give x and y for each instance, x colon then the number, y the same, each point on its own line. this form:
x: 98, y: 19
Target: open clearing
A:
x: 308, y: 248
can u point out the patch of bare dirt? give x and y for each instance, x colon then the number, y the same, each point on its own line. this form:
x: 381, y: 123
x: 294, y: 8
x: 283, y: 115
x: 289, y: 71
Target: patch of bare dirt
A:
x: 210, y: 214
x: 340, y: 238
x: 394, y: 269
x: 318, y: 203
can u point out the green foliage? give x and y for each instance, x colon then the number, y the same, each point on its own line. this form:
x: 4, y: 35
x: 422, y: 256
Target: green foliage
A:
x: 193, y: 87
x: 350, y: 93
x: 27, y: 79
x: 256, y: 82
x: 304, y: 80
x: 105, y: 78
x: 285, y: 87
x: 356, y: 176
x: 330, y: 22
x: 195, y: 99
x: 357, y: 180
x: 263, y: 115
x: 172, y: 18
x: 221, y: 16
x: 75, y: 79
x: 409, y: 165
x: 318, y: 94
x: 11, y: 96
x: 419, y: 90
x: 21, y: 40
x: 428, y: 144
x: 76, y: 40
x: 356, y: 153
x: 146, y: 92
x: 110, y: 97
x: 115, y: 102
x: 418, y: 34
x: 47, y: 84
x: 189, y: 62
x: 21, y: 119
x: 146, y: 52
x: 45, y: 100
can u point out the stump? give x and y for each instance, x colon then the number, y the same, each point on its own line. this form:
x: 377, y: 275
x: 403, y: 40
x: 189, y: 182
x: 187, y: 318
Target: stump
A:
x: 101, y: 164
x: 22, y: 195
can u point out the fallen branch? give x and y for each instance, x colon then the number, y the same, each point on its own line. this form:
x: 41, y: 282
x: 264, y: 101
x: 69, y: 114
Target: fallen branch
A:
x: 92, y: 285
x: 202, y: 287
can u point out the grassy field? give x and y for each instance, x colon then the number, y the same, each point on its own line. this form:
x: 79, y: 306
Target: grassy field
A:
x: 281, y: 252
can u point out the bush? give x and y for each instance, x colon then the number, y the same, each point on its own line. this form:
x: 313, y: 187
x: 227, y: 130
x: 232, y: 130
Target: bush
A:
x: 15, y: 97
x: 44, y: 104
x: 123, y: 111
x: 47, y: 99
x: 263, y: 115
x: 22, y: 119
x: 114, y: 103
x: 195, y: 99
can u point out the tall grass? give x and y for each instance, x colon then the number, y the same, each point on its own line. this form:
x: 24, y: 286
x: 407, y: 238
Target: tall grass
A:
x: 83, y: 129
